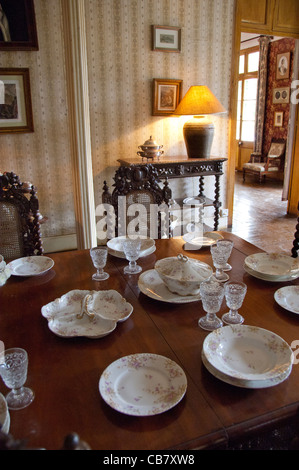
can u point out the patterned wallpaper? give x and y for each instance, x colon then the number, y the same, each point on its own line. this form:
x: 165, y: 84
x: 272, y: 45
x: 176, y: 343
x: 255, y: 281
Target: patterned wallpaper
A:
x: 271, y: 131
x: 121, y: 68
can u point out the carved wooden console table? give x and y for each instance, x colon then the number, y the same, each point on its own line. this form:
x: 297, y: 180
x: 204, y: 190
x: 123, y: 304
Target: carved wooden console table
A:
x: 180, y: 167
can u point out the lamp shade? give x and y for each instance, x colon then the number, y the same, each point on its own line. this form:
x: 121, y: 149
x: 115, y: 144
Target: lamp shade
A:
x: 198, y: 132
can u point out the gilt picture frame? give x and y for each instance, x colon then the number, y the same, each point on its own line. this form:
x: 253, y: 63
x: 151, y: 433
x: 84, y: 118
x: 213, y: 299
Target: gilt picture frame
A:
x: 18, y: 26
x: 281, y: 95
x: 278, y: 118
x: 15, y: 101
x: 166, y: 38
x: 167, y: 93
x: 283, y: 65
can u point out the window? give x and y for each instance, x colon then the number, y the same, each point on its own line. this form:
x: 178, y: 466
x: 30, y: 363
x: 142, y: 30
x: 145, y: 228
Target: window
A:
x: 247, y: 92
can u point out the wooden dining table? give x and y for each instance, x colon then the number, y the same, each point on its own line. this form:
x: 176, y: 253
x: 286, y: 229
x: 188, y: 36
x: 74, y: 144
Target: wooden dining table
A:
x: 65, y: 372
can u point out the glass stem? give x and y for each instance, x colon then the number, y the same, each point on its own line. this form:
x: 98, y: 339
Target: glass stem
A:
x: 132, y: 264
x: 210, y: 316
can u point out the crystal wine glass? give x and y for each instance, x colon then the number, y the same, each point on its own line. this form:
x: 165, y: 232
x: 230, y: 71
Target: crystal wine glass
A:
x: 220, y: 255
x: 234, y: 292
x: 13, y: 370
x: 229, y: 243
x: 99, y: 259
x: 132, y: 249
x: 212, y: 293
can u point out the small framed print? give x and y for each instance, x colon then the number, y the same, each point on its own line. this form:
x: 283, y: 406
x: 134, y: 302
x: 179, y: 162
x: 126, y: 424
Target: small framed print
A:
x: 167, y: 94
x: 15, y: 101
x: 283, y: 65
x: 166, y: 38
x: 281, y: 95
x: 278, y: 119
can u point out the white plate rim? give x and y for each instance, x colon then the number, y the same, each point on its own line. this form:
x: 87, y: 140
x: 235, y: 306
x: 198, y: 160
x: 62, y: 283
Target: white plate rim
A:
x: 19, y: 260
x: 176, y: 376
x: 279, y: 300
x: 189, y: 237
x: 174, y: 298
x: 4, y: 415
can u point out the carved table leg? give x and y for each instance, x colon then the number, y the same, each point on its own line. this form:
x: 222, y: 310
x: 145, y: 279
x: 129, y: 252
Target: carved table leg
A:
x: 216, y: 202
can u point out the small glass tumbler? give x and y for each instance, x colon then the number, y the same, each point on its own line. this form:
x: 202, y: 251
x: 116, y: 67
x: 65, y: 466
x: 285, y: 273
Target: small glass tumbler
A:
x: 212, y: 293
x: 13, y: 370
x: 99, y: 258
x: 132, y: 249
x: 227, y: 243
x: 234, y: 292
x: 220, y: 255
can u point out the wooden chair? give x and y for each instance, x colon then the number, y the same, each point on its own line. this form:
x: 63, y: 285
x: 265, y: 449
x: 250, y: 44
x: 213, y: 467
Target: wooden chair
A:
x: 295, y: 248
x: 138, y: 185
x: 273, y: 163
x: 19, y: 218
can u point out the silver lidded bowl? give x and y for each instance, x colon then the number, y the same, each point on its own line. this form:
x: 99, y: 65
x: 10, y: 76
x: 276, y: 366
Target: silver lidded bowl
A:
x: 183, y: 275
x: 150, y: 149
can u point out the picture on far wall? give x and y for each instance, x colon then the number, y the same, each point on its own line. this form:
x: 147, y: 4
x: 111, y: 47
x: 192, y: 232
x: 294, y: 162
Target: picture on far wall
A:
x: 15, y: 101
x: 278, y: 119
x: 283, y: 65
x: 166, y: 38
x: 17, y: 26
x: 281, y: 95
x: 167, y: 94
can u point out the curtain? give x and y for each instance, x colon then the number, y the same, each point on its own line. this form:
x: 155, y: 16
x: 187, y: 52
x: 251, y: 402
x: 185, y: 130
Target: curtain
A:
x: 261, y: 93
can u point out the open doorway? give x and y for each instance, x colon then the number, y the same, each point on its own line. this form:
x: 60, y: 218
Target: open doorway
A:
x: 260, y: 209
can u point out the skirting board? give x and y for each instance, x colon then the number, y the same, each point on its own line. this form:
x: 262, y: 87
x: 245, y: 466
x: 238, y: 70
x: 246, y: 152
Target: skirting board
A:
x: 60, y: 243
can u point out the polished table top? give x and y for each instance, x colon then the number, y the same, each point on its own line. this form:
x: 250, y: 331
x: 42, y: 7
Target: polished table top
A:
x: 64, y: 373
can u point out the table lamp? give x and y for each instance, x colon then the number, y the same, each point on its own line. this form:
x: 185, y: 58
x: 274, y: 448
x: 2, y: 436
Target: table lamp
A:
x: 199, y: 131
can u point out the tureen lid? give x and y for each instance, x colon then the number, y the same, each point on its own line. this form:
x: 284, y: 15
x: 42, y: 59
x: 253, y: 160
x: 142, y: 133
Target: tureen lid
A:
x: 184, y: 268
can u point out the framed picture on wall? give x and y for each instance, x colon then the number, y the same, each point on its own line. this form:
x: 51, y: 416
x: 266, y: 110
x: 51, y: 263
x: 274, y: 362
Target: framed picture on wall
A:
x: 278, y: 119
x: 166, y: 38
x: 281, y: 95
x: 15, y: 101
x: 17, y: 25
x: 283, y: 65
x: 167, y: 94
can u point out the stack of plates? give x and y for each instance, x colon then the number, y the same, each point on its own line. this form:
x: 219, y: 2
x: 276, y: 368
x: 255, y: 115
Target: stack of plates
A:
x: 115, y: 247
x: 275, y: 267
x: 247, y: 356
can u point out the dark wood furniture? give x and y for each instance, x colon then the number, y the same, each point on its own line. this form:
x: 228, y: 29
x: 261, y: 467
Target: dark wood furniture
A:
x: 64, y: 373
x: 270, y: 164
x: 19, y: 218
x: 137, y: 185
x: 180, y: 167
x: 295, y: 248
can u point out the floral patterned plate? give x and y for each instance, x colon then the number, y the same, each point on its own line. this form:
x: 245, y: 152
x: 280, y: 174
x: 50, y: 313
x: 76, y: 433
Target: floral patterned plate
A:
x: 4, y: 415
x: 265, y: 277
x: 288, y: 298
x: 198, y: 240
x: 150, y: 284
x: 30, y: 265
x: 93, y: 314
x: 246, y: 352
x: 143, y: 384
x: 272, y: 265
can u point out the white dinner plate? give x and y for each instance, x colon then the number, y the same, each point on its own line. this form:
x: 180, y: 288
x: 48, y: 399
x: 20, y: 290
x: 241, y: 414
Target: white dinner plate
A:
x: 143, y: 384
x: 288, y: 298
x: 92, y: 314
x: 264, y: 277
x: 115, y: 247
x: 4, y: 415
x: 272, y: 265
x: 199, y: 240
x: 252, y: 384
x: 248, y: 353
x: 30, y: 265
x: 150, y: 284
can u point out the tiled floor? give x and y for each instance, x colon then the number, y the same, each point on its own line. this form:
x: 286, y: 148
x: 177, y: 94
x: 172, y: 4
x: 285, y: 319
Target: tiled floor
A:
x: 260, y: 215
